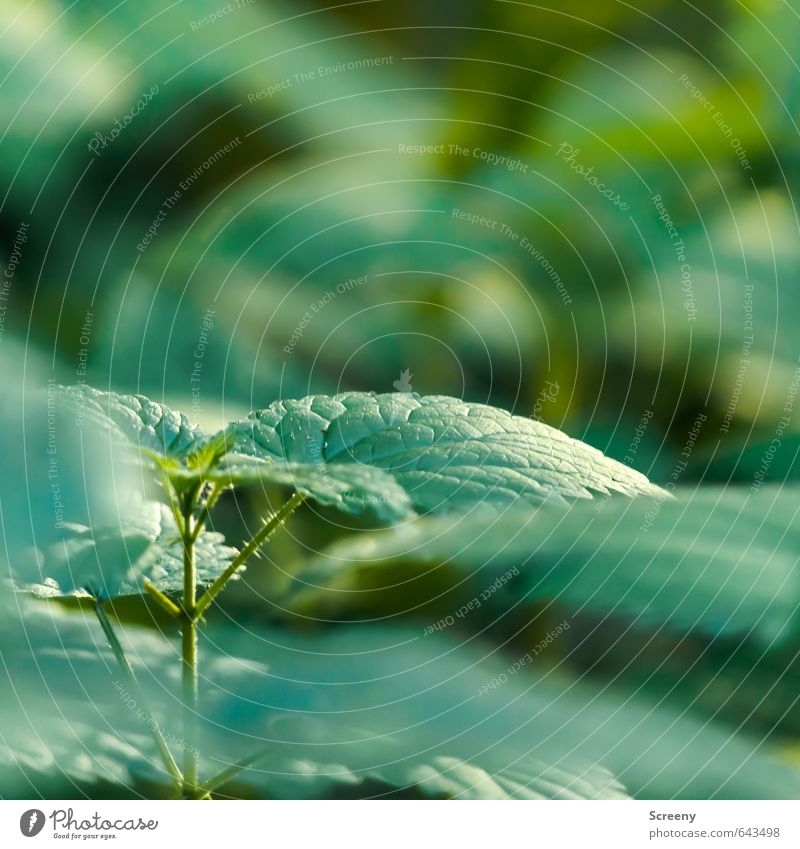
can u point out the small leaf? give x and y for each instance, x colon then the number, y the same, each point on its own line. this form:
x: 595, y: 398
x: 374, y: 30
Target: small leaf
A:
x: 529, y: 778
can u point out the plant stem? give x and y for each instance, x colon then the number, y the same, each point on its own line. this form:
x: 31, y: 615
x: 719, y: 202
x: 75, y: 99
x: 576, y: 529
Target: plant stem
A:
x: 169, y: 762
x: 189, y: 651
x: 203, y: 515
x: 270, y: 526
x: 169, y: 489
x: 230, y: 772
x: 192, y: 611
x: 164, y: 601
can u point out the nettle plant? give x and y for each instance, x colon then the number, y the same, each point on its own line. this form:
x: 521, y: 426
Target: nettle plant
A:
x: 454, y: 482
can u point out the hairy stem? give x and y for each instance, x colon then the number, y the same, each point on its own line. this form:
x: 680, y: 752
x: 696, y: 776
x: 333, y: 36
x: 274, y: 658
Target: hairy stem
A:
x: 270, y: 526
x: 189, y: 651
x: 164, y: 601
x: 169, y: 761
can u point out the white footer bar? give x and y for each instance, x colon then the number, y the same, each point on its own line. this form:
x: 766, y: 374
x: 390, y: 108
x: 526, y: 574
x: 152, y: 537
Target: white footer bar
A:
x: 401, y: 824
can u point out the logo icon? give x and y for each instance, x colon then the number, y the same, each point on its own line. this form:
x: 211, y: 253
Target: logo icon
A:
x: 404, y: 383
x: 31, y: 822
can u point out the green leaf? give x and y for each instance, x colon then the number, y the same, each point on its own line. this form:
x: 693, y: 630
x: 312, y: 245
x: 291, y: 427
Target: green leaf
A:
x: 144, y: 423
x: 351, y: 488
x: 713, y: 560
x: 716, y: 560
x: 70, y: 715
x: 162, y: 439
x: 450, y: 778
x: 378, y: 765
x: 384, y: 453
x: 386, y: 710
x: 56, y: 472
x: 66, y: 716
x: 109, y: 562
x: 385, y: 703
x: 446, y: 454
x: 168, y: 442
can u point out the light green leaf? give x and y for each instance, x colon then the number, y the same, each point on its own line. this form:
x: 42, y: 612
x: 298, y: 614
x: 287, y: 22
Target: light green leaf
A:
x: 70, y: 716
x: 713, y: 560
x: 385, y: 453
x: 56, y: 472
x: 385, y: 702
x: 168, y: 442
x: 142, y: 422
x: 446, y: 454
x: 529, y: 778
x: 66, y: 716
x: 108, y: 562
x: 324, y: 757
x: 387, y: 710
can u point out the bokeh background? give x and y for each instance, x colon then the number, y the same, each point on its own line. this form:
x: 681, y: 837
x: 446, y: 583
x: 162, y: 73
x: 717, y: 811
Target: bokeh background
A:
x: 440, y: 164
x: 579, y: 211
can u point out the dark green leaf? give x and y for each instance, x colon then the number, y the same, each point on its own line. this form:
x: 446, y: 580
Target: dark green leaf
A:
x: 715, y: 560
